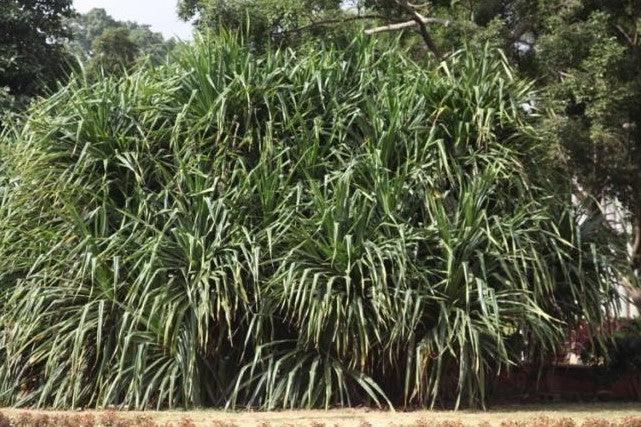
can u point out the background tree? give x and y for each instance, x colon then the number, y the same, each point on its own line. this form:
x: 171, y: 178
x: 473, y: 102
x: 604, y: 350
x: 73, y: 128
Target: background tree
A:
x: 263, y: 20
x: 589, y: 59
x: 32, y: 54
x: 151, y: 44
x: 284, y: 21
x: 87, y: 28
x: 113, y: 52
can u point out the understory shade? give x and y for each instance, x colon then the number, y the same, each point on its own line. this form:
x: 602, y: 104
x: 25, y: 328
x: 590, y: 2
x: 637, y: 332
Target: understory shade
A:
x: 329, y: 226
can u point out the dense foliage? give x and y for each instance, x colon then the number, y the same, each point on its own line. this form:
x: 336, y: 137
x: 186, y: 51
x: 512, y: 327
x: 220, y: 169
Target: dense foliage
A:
x: 620, y: 359
x: 584, y: 55
x: 590, y: 59
x: 586, y: 58
x: 625, y: 355
x: 299, y: 228
x: 41, y: 41
x: 263, y: 21
x: 32, y: 57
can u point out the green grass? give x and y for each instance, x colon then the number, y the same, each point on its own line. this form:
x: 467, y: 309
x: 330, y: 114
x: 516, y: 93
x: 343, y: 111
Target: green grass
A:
x: 331, y: 226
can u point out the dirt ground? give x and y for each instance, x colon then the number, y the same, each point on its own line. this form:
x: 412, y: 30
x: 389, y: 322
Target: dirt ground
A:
x: 355, y: 417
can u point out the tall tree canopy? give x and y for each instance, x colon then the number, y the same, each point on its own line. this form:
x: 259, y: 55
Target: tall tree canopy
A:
x: 268, y: 20
x: 32, y: 37
x: 588, y: 55
x: 113, y: 52
x: 87, y: 28
x: 287, y: 21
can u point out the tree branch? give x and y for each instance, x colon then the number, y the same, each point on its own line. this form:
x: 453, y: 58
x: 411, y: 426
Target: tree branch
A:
x: 417, y: 6
x: 407, y: 24
x: 626, y: 35
x: 422, y: 29
x: 336, y: 21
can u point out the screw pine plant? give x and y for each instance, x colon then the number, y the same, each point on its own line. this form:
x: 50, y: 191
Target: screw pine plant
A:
x: 297, y: 228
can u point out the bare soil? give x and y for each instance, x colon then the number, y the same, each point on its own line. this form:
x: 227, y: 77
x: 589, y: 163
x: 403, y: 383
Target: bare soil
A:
x: 356, y: 417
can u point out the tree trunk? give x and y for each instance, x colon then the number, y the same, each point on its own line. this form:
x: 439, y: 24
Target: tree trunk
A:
x: 635, y: 255
x: 636, y: 242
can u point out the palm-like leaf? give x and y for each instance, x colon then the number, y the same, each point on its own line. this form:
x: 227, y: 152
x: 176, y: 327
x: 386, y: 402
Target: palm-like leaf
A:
x: 294, y: 229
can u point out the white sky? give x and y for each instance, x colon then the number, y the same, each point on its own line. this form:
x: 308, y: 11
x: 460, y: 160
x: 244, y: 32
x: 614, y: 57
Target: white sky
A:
x: 160, y: 14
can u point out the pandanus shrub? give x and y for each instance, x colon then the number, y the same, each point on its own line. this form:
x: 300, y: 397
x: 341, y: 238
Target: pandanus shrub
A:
x: 317, y: 227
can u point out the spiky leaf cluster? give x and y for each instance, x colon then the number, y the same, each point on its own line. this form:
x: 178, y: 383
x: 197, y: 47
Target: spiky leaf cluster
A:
x: 291, y: 229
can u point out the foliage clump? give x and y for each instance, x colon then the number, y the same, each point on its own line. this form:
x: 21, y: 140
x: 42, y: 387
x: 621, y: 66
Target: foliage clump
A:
x: 300, y: 228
